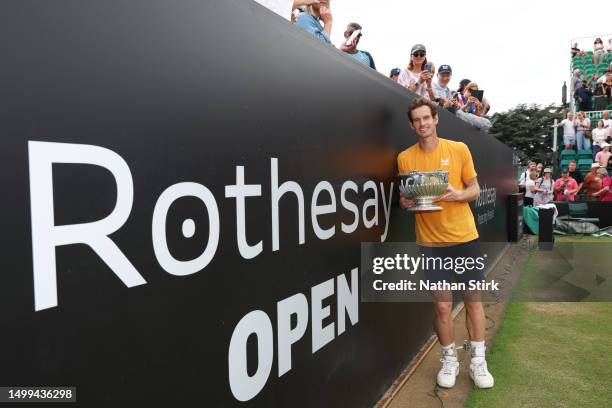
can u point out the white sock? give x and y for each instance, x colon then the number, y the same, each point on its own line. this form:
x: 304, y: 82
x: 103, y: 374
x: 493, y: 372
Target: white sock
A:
x: 449, y: 352
x: 478, y: 351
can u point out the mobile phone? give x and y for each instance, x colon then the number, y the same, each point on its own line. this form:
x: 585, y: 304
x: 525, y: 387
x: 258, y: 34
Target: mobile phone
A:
x: 427, y: 67
x: 352, y: 38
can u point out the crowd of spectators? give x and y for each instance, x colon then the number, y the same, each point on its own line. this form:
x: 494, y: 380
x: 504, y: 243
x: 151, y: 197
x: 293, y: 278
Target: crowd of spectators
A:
x: 578, y: 132
x: 540, y: 188
x: 419, y: 76
x: 598, y: 88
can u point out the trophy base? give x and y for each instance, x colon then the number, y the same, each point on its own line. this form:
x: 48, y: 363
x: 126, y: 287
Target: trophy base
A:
x: 425, y: 204
x: 422, y: 209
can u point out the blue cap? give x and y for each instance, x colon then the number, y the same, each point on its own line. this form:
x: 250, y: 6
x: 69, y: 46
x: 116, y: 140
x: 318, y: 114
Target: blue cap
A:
x: 565, y: 170
x: 395, y: 71
x: 445, y: 69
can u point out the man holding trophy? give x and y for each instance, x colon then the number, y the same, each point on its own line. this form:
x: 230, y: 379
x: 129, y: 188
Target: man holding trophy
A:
x: 438, y: 182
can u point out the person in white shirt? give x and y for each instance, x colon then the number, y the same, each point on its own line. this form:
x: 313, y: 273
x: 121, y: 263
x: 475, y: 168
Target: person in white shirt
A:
x: 525, y: 176
x: 600, y: 135
x: 607, y: 123
x: 531, y: 188
x: 544, y: 189
x: 415, y: 77
x: 442, y: 93
x: 569, y: 131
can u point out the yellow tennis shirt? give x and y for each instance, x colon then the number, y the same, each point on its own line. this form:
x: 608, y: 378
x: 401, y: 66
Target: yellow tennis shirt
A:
x: 455, y: 223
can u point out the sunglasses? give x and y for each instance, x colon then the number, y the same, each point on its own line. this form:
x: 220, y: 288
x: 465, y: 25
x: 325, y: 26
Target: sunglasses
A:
x: 418, y: 54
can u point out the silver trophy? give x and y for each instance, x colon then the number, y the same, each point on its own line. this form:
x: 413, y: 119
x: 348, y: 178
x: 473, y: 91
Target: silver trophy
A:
x: 424, y: 187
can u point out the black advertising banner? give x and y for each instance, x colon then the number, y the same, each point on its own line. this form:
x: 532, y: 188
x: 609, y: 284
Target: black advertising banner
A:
x: 186, y: 188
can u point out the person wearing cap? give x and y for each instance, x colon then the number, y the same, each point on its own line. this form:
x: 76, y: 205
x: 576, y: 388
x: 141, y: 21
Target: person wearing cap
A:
x: 592, y: 182
x: 352, y: 35
x: 442, y: 92
x: 394, y: 74
x: 605, y: 193
x: 544, y: 189
x: 603, y: 156
x: 565, y: 187
x: 415, y: 77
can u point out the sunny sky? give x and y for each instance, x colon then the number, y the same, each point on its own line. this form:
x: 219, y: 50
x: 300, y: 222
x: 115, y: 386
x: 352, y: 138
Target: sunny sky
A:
x: 518, y: 51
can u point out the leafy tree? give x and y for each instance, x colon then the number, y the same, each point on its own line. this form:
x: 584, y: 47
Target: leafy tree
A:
x: 527, y: 130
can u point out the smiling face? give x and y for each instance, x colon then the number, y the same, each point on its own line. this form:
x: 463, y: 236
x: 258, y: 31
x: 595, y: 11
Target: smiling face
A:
x: 444, y: 78
x: 423, y: 122
x: 417, y: 58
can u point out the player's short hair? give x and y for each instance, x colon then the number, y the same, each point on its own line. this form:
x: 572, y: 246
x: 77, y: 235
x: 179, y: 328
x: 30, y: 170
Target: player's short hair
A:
x: 418, y: 102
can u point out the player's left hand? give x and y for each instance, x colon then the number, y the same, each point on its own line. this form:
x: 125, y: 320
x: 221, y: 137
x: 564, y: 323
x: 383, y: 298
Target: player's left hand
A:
x: 452, y: 194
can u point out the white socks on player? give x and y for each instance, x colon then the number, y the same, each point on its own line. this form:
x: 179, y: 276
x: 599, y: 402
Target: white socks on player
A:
x: 478, y: 351
x: 449, y: 352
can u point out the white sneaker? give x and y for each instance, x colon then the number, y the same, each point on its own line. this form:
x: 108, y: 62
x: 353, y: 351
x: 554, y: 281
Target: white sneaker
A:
x: 480, y: 375
x: 448, y: 373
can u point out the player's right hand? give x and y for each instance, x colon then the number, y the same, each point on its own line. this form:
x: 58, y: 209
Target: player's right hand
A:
x: 406, y: 203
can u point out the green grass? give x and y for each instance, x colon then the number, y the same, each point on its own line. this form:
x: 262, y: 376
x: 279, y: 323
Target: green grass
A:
x: 551, y: 354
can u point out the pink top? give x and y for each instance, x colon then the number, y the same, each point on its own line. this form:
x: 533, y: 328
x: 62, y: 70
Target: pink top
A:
x: 606, y: 182
x: 602, y: 157
x: 407, y: 78
x: 571, y: 185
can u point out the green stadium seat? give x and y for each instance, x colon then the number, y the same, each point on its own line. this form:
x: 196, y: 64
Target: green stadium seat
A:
x: 585, y: 155
x: 565, y: 163
x: 567, y: 153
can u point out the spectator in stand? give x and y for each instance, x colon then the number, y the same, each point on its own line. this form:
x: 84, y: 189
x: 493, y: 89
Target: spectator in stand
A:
x: 349, y: 45
x: 577, y: 51
x: 583, y: 132
x: 539, y: 170
x: 443, y: 94
x: 394, y: 74
x: 576, y: 81
x: 603, y: 156
x: 415, y: 77
x: 605, y: 194
x: 607, y: 125
x: 600, y: 134
x: 470, y: 104
x: 569, y: 131
x: 583, y: 96
x: 525, y: 176
x: 311, y: 20
x: 544, y: 189
x: 592, y: 84
x: 598, y: 51
x: 565, y: 187
x: 592, y: 182
x: 530, y: 188
x: 601, y: 97
x: 575, y: 173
